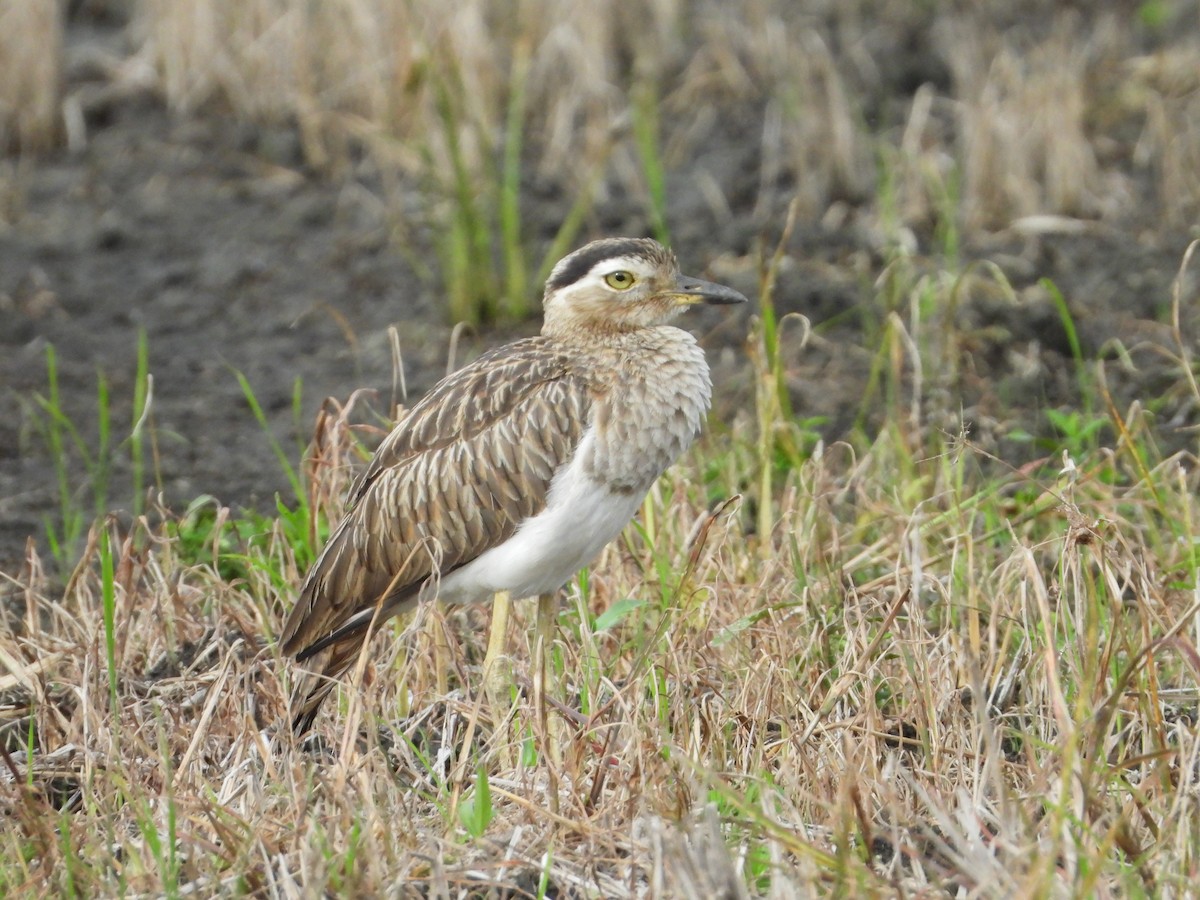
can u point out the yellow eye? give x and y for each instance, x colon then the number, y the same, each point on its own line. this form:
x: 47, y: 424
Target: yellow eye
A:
x: 619, y: 281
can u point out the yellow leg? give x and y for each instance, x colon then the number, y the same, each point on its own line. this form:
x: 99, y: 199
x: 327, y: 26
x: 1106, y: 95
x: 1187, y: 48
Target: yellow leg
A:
x: 547, y: 614
x: 497, y: 679
x: 441, y: 652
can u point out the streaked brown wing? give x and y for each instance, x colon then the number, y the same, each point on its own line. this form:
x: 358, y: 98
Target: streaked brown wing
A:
x: 457, y: 475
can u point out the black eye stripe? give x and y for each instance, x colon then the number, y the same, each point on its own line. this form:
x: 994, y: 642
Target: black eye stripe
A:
x: 579, y: 263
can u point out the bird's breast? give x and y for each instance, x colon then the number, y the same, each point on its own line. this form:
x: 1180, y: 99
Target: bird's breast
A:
x: 651, y: 412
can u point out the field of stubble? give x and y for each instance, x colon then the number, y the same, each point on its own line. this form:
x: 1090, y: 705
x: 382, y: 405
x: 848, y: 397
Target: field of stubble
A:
x: 918, y: 616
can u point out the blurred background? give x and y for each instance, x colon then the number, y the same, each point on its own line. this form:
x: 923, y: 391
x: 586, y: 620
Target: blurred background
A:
x: 211, y: 211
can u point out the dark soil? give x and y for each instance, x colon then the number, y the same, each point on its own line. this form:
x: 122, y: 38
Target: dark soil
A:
x: 212, y: 238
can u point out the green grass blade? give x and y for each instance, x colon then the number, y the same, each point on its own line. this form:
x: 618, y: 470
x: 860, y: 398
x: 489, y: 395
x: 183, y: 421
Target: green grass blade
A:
x: 69, y: 519
x: 1082, y: 376
x: 468, y: 256
x: 261, y: 417
x: 645, y: 109
x: 571, y: 223
x: 101, y: 460
x: 141, y: 411
x: 109, y: 601
x: 516, y: 292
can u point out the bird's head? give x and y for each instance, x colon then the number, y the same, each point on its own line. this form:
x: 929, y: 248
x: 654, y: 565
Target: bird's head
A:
x: 623, y: 284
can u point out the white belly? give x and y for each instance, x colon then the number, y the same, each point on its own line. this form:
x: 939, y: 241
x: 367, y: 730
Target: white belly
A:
x: 580, y: 518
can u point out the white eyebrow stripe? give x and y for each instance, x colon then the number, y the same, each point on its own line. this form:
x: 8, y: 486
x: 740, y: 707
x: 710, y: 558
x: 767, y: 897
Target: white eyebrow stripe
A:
x: 633, y: 264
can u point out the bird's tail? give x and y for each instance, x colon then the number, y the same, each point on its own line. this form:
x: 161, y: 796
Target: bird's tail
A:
x: 316, y: 677
x: 323, y: 662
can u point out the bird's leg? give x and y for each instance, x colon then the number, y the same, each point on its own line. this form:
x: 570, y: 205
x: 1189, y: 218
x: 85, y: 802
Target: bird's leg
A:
x: 547, y: 612
x: 497, y: 679
x: 441, y: 652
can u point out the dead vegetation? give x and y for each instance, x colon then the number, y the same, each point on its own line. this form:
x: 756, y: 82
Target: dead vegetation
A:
x: 31, y: 40
x: 1069, y: 114
x: 873, y: 667
x: 933, y: 681
x: 889, y: 665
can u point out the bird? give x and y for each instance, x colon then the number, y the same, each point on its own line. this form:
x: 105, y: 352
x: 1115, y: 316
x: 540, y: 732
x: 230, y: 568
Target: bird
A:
x: 515, y: 471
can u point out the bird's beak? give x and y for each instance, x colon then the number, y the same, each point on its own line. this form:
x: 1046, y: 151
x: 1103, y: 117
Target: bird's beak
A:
x: 689, y: 291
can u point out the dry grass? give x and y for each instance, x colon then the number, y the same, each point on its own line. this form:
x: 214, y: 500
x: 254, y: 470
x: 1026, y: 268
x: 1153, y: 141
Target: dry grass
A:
x: 30, y: 73
x: 1061, y: 117
x: 888, y: 666
x: 1023, y: 120
x: 973, y: 117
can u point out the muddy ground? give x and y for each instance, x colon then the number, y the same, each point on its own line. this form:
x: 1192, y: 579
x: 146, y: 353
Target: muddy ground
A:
x: 212, y: 237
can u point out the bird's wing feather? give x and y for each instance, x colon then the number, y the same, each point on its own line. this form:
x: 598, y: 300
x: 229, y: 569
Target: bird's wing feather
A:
x: 471, y: 461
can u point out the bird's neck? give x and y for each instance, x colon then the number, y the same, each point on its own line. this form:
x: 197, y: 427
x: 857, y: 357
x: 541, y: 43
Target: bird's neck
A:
x: 606, y: 334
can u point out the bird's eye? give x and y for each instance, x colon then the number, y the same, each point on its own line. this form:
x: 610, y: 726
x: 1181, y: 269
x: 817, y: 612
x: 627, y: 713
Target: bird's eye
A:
x: 619, y: 281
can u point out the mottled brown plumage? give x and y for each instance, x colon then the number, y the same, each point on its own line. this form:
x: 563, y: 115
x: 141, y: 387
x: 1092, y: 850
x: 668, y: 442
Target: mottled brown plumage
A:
x: 514, y: 472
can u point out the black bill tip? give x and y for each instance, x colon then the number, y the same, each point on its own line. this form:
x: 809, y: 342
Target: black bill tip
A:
x: 708, y: 292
